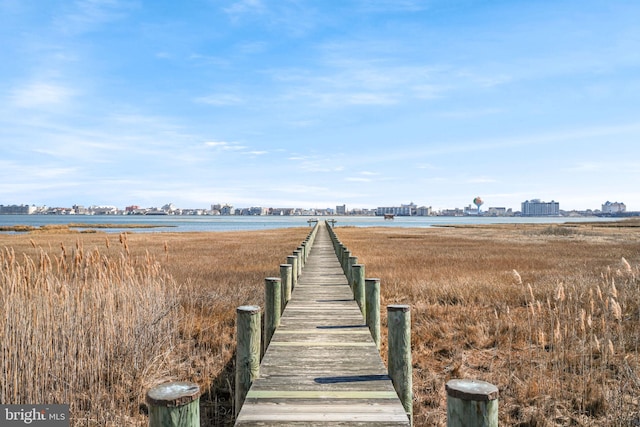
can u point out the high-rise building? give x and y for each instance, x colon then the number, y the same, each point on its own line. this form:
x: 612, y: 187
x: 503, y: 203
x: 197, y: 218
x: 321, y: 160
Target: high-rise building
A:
x: 536, y: 207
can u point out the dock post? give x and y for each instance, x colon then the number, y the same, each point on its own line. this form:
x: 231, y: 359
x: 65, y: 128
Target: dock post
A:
x: 399, y: 355
x: 272, y: 308
x: 302, y: 258
x: 372, y: 304
x: 296, y: 253
x: 293, y: 261
x: 351, y: 261
x: 247, y: 352
x: 346, y: 254
x: 285, y: 283
x: 471, y: 402
x: 357, y: 284
x: 174, y: 404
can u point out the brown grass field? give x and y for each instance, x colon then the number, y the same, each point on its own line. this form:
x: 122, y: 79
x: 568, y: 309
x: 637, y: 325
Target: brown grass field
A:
x: 549, y: 314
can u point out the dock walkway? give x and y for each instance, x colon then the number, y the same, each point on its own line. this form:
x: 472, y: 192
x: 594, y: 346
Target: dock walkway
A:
x: 322, y: 367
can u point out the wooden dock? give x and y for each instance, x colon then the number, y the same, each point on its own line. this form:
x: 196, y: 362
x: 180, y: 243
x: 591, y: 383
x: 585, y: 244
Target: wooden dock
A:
x: 322, y: 366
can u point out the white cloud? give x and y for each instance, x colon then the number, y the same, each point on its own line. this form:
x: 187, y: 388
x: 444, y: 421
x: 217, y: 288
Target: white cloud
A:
x: 40, y: 94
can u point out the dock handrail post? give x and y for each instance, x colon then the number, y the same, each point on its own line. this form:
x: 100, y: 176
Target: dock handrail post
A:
x: 174, y: 404
x: 372, y: 310
x: 357, y: 284
x: 399, y: 354
x: 471, y: 402
x: 302, y: 258
x: 272, y: 310
x: 285, y: 283
x: 247, y: 351
x: 297, y: 254
x: 351, y: 261
x: 293, y: 260
x: 346, y: 254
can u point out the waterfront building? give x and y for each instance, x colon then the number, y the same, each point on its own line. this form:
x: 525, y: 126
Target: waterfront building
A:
x: 497, y: 211
x: 341, y: 210
x: 17, y: 210
x: 536, y: 207
x: 402, y: 210
x: 424, y: 211
x: 614, y: 208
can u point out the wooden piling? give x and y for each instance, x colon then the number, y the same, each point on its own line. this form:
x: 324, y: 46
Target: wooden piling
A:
x: 346, y: 254
x: 174, y: 404
x: 302, y: 258
x: 272, y: 308
x: 357, y: 285
x: 471, y: 403
x: 293, y: 260
x: 285, y: 283
x: 296, y: 253
x: 372, y: 308
x: 247, y: 351
x: 399, y: 354
x: 351, y: 261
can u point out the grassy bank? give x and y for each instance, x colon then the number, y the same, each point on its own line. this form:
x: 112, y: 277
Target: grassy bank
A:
x: 550, y: 314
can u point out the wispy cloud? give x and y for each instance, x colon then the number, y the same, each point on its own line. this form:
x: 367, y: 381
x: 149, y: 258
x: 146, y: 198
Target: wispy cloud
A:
x: 87, y: 15
x: 220, y: 99
x: 225, y: 146
x: 386, y: 6
x: 245, y: 6
x: 41, y: 94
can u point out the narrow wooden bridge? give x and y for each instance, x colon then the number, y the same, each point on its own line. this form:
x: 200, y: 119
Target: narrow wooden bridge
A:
x: 322, y: 366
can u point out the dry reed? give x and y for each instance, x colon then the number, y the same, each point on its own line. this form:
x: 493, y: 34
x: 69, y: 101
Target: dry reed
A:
x: 97, y: 327
x: 551, y: 317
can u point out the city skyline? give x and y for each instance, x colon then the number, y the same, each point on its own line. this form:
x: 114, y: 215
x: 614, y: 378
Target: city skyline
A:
x: 607, y: 207
x: 294, y: 103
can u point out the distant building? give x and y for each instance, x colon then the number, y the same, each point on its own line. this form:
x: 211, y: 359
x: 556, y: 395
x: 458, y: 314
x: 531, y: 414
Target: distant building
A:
x: 17, y: 210
x: 402, y: 210
x: 424, y: 211
x: 613, y: 208
x: 451, y: 212
x: 536, y: 207
x: 341, y: 210
x: 472, y: 210
x: 226, y: 210
x: 495, y: 211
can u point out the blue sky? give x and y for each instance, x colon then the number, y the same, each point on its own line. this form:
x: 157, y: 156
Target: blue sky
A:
x: 300, y: 103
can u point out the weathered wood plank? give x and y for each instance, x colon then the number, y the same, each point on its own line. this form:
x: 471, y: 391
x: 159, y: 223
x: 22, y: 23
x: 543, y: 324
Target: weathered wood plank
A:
x: 322, y: 366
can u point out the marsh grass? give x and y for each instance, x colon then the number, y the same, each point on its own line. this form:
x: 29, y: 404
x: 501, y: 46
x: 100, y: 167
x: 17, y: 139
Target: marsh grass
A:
x: 96, y: 320
x: 552, y: 318
x: 84, y: 329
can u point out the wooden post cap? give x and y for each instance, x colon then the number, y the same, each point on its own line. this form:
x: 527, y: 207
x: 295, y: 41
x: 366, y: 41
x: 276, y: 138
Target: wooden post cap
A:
x: 251, y: 309
x: 474, y: 390
x: 399, y: 307
x: 173, y: 394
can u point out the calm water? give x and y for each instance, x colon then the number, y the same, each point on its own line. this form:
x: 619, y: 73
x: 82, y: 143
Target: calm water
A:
x: 235, y: 223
